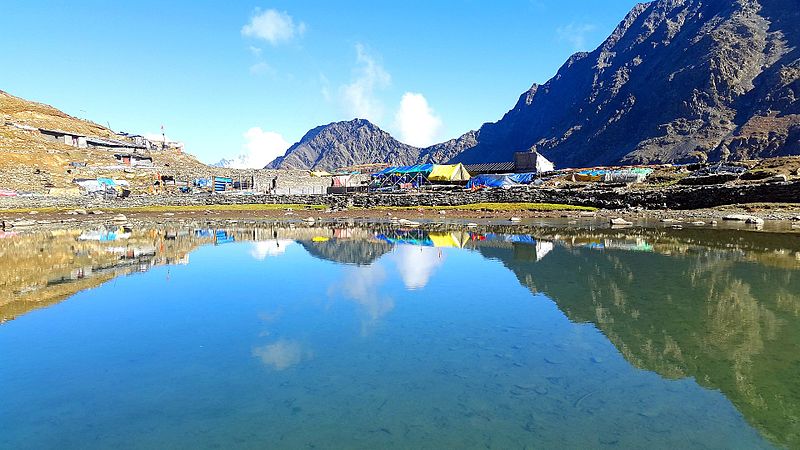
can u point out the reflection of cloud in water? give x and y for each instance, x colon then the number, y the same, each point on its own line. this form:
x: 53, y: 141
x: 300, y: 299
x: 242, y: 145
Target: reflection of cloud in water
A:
x: 362, y: 285
x: 282, y: 354
x: 416, y: 264
x: 261, y: 250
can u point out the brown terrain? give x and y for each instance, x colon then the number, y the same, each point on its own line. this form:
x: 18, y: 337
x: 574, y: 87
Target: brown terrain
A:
x: 30, y: 162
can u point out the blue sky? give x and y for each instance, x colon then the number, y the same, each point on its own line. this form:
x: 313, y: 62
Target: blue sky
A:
x: 251, y: 77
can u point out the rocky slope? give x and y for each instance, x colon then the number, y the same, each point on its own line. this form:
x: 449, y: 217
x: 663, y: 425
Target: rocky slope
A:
x: 31, y: 163
x: 342, y: 144
x: 678, y: 80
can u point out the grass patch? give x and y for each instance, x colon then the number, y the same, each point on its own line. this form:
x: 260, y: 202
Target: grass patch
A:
x: 498, y: 207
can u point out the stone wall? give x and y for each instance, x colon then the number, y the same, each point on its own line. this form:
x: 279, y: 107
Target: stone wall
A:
x: 678, y: 197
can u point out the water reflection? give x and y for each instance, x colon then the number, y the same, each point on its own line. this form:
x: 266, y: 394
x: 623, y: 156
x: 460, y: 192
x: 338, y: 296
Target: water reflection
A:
x: 719, y: 308
x: 282, y: 354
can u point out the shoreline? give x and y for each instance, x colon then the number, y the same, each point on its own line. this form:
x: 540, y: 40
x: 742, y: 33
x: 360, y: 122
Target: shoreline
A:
x: 776, y: 217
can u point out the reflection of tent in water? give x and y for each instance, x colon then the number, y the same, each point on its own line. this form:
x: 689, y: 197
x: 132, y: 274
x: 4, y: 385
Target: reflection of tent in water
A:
x: 223, y: 237
x: 105, y: 235
x: 638, y: 245
x: 423, y: 238
x: 539, y: 248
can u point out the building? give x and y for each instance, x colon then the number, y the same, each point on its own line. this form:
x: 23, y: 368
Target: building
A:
x: 524, y: 162
x: 134, y: 160
x: 65, y: 137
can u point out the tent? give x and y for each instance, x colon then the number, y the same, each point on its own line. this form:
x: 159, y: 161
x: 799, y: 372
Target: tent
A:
x: 402, y: 176
x: 319, y: 173
x: 341, y: 180
x: 543, y: 164
x: 449, y: 172
x: 504, y: 180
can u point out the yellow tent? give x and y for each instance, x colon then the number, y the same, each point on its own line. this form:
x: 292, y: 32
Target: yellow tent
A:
x: 449, y: 172
x: 320, y: 173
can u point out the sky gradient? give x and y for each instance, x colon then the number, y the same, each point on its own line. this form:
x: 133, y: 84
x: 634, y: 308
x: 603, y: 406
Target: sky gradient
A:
x: 252, y: 77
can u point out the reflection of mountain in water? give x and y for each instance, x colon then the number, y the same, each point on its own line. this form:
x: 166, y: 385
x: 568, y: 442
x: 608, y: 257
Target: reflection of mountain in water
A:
x: 730, y: 324
x: 357, y: 252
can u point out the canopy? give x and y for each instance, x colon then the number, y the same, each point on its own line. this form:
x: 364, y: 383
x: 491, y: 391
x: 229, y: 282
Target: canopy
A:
x: 449, y: 172
x: 402, y: 170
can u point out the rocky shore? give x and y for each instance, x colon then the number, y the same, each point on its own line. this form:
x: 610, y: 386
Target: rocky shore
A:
x: 677, y: 197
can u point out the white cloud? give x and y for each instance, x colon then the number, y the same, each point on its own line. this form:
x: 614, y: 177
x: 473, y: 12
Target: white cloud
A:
x: 273, y: 26
x: 417, y: 264
x: 264, y: 249
x: 358, y: 96
x: 261, y: 68
x: 260, y: 148
x: 417, y: 122
x: 575, y: 34
x: 256, y: 51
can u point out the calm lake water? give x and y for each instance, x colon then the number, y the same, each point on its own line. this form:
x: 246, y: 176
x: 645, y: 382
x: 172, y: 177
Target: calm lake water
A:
x: 375, y: 337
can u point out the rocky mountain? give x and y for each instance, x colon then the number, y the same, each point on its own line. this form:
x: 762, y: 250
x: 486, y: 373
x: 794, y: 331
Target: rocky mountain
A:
x: 677, y: 81
x: 342, y: 144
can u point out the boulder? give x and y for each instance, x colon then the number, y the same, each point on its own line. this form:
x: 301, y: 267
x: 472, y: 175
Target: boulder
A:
x: 620, y: 222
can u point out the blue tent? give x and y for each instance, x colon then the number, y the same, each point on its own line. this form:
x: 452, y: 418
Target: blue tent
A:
x: 501, y: 180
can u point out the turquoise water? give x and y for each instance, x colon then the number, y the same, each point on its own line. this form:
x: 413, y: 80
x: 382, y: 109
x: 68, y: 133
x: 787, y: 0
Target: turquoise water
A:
x: 358, y: 339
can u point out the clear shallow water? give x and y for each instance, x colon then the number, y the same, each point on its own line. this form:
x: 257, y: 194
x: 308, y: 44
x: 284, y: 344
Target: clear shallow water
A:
x: 364, y: 338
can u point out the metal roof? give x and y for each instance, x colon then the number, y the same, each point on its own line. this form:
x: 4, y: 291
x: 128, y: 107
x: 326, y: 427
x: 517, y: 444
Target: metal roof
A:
x: 494, y: 167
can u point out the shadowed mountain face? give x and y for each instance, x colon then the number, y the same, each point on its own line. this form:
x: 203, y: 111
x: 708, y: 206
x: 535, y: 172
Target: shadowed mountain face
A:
x: 676, y: 81
x: 688, y: 311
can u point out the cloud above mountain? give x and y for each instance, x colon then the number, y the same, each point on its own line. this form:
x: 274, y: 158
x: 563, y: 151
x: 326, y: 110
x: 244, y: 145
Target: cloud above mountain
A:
x: 359, y: 97
x: 416, y: 121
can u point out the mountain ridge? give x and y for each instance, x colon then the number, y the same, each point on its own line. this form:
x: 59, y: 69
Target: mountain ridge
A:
x: 676, y: 81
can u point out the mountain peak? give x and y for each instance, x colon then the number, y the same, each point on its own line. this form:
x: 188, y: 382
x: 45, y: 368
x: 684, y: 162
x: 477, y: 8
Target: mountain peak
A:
x: 345, y: 143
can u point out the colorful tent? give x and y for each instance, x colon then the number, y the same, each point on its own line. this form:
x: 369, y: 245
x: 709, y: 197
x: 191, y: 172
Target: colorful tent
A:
x: 504, y: 180
x: 319, y: 173
x: 449, y: 172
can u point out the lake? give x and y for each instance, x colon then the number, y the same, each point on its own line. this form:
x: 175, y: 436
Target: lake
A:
x: 377, y: 337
